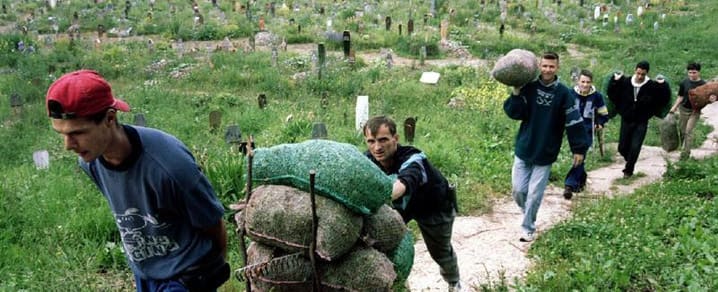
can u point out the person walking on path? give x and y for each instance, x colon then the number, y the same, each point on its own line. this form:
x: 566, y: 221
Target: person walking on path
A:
x: 689, y: 115
x: 168, y: 215
x: 636, y: 98
x: 420, y: 193
x: 592, y: 109
x: 545, y: 108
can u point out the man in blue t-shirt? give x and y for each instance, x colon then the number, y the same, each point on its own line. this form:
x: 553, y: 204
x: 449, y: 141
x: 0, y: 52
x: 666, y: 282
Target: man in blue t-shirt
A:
x: 545, y: 108
x: 168, y: 215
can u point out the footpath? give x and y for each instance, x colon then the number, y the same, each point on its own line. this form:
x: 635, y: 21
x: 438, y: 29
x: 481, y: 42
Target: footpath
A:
x: 488, y: 246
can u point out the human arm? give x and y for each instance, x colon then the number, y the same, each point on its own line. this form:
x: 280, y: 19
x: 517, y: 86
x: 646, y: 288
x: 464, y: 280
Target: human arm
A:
x: 218, y: 234
x: 679, y: 100
x: 575, y: 130
x: 516, y: 106
x: 397, y: 190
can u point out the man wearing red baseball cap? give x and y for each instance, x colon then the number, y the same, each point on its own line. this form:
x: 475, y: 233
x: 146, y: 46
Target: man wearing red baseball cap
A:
x: 168, y: 214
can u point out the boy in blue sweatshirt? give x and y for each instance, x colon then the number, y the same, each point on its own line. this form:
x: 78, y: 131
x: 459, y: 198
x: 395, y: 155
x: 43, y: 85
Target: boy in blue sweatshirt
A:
x: 545, y: 108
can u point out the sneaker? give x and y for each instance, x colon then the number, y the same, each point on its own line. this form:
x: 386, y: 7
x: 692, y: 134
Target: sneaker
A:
x: 527, y: 237
x: 456, y: 287
x: 568, y: 193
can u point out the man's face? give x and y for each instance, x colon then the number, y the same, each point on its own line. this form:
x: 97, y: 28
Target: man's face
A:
x: 84, y: 137
x: 694, y: 75
x: 640, y: 74
x: 548, y: 69
x: 382, y: 146
x: 584, y: 83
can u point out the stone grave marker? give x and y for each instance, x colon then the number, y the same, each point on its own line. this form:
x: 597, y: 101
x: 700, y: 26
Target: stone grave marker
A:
x: 422, y: 55
x: 15, y: 100
x: 215, y: 120
x: 410, y: 129
x: 262, y: 100
x: 140, y: 120
x: 596, y: 12
x: 629, y: 19
x: 299, y: 28
x: 275, y: 56
x: 410, y: 27
x: 352, y: 58
x: 321, y: 55
x: 387, y: 23
x: 361, y: 112
x: 389, y: 61
x: 319, y: 131
x: 324, y: 102
x: 233, y: 135
x: 4, y: 9
x: 575, y: 72
x: 252, y: 43
x: 432, y: 8
x: 261, y: 23
x: 41, y: 159
x: 399, y: 28
x: 346, y: 43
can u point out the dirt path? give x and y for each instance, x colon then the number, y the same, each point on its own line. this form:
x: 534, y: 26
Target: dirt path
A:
x: 488, y: 246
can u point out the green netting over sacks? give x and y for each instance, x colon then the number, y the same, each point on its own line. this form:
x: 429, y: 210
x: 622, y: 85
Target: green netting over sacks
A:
x: 516, y: 68
x: 268, y: 269
x: 364, y: 269
x: 342, y: 172
x: 384, y: 230
x: 281, y: 216
x: 403, y: 258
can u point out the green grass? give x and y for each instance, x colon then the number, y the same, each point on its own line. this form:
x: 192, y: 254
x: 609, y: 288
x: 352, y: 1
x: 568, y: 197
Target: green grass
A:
x: 56, y: 231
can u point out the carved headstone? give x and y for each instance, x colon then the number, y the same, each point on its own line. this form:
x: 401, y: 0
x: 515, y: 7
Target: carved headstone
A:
x: 346, y: 43
x: 399, y: 28
x: 319, y: 131
x: 387, y: 22
x: 324, y: 103
x: 275, y: 56
x: 233, y: 135
x: 444, y: 31
x: 361, y: 112
x: 410, y: 129
x: 262, y: 100
x: 41, y: 159
x: 322, y: 55
x: 140, y: 120
x: 215, y: 120
x: 15, y: 100
x: 410, y: 27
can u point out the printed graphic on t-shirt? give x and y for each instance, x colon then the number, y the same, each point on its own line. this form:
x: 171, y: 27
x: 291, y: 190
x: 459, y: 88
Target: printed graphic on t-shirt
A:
x: 139, y: 245
x: 544, y: 98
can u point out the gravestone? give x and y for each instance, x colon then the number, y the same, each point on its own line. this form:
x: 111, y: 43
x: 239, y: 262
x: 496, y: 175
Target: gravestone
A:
x: 275, y: 56
x: 233, y: 135
x: 410, y: 129
x: 629, y: 19
x: 432, y: 8
x: 399, y: 28
x: 4, y: 9
x: 575, y: 72
x: 215, y: 120
x: 262, y: 100
x: 140, y: 120
x: 422, y: 55
x: 352, y: 58
x: 261, y: 23
x: 41, y: 159
x: 299, y: 28
x: 15, y: 100
x: 361, y: 112
x: 319, y: 131
x: 322, y: 55
x: 387, y: 22
x: 346, y: 43
x: 324, y: 102
x: 251, y: 43
x: 389, y: 61
x: 410, y: 27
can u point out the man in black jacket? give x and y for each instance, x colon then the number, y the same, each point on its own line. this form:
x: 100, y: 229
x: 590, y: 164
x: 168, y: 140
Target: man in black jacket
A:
x: 636, y: 98
x: 420, y: 192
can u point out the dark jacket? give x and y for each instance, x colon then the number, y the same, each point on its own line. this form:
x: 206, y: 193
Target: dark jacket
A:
x: 652, y: 98
x: 545, y: 110
x: 427, y: 191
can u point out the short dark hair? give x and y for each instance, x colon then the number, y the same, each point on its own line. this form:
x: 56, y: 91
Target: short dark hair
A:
x: 376, y: 122
x: 644, y: 65
x: 55, y: 108
x: 550, y: 55
x: 694, y: 66
x: 587, y: 73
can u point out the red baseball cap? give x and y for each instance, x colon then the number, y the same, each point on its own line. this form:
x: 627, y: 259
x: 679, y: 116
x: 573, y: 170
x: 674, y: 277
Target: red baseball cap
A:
x: 80, y: 94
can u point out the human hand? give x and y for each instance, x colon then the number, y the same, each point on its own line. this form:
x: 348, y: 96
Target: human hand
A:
x: 599, y: 126
x: 515, y: 90
x: 577, y: 159
x: 397, y: 190
x: 660, y: 78
x: 617, y: 75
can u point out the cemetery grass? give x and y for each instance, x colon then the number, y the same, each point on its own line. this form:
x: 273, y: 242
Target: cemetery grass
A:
x: 57, y: 233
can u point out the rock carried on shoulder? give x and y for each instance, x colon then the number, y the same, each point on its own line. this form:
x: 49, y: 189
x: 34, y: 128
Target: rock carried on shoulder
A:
x: 516, y: 68
x: 700, y: 95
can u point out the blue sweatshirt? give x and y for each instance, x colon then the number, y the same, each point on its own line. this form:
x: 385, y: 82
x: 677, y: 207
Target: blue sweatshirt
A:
x: 545, y: 110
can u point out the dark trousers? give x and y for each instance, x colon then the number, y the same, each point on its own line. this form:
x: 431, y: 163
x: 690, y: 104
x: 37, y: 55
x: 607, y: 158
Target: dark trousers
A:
x: 437, y: 238
x: 630, y: 141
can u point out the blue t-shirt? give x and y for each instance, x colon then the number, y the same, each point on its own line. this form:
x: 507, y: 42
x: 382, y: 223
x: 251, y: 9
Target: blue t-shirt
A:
x: 160, y: 201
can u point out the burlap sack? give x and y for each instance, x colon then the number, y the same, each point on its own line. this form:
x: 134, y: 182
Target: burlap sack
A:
x: 384, y: 230
x: 342, y: 172
x: 516, y: 68
x: 364, y: 269
x: 268, y: 269
x: 700, y: 95
x: 669, y: 133
x: 281, y: 216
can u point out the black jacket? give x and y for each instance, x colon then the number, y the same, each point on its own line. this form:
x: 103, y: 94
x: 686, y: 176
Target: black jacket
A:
x: 650, y: 101
x: 430, y: 199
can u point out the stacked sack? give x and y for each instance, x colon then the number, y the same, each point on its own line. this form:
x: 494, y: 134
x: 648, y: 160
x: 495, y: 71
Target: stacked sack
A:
x: 362, y: 244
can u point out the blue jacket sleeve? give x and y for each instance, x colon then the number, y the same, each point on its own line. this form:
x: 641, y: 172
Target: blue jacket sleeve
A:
x: 577, y: 137
x: 516, y: 107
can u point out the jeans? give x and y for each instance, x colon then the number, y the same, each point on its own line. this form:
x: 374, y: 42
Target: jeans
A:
x: 630, y: 141
x: 687, y: 123
x: 528, y: 184
x: 576, y: 176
